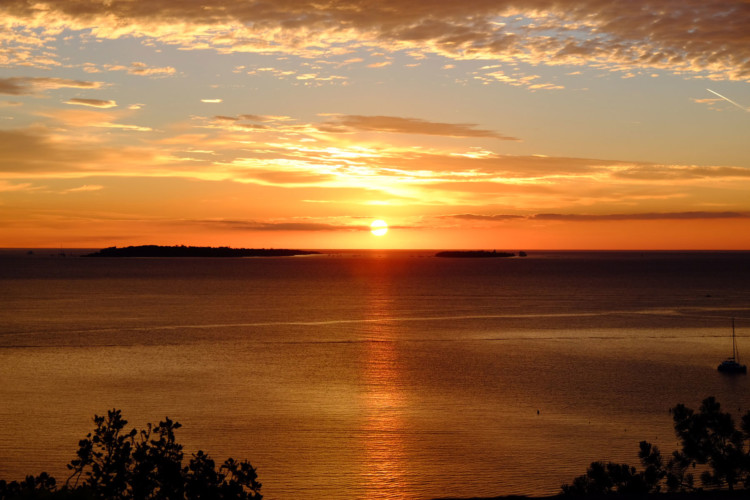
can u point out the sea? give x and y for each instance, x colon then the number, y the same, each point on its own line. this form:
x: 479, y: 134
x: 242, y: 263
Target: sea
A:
x: 371, y: 374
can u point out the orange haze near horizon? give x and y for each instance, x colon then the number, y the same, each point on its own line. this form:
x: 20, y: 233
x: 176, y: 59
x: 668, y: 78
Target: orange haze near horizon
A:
x: 546, y: 125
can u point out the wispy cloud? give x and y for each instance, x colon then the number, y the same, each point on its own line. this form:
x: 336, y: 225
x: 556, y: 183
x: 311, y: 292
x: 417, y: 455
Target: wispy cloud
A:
x: 142, y: 69
x: 516, y: 79
x: 94, y: 103
x: 85, y: 188
x: 656, y: 216
x: 743, y: 108
x: 480, y: 217
x: 32, y: 85
x: 6, y: 186
x: 250, y: 225
x: 401, y: 125
x: 642, y: 216
x: 90, y: 118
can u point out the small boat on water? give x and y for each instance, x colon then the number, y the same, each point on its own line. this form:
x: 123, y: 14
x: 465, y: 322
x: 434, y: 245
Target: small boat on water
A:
x: 732, y: 365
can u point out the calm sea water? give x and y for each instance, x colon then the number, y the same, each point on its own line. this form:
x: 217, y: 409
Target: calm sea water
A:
x: 372, y: 374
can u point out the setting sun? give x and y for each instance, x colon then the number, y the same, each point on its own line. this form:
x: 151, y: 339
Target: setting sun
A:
x: 378, y: 227
x: 458, y: 140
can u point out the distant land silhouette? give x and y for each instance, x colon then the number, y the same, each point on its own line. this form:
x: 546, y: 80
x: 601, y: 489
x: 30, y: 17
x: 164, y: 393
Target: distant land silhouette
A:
x: 185, y: 251
x: 476, y: 254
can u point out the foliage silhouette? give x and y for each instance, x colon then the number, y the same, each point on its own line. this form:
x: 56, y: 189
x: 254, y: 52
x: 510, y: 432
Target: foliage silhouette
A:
x: 115, y: 464
x: 709, y: 441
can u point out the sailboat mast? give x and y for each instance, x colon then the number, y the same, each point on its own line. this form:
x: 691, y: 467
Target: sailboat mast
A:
x: 734, y: 344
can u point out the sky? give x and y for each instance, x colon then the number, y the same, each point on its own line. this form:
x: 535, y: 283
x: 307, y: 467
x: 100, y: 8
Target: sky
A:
x: 479, y: 124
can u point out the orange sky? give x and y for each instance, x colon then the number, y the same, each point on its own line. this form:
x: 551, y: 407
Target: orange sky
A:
x: 476, y: 124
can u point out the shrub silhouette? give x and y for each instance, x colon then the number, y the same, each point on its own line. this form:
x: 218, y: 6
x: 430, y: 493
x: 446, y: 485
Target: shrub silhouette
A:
x: 622, y: 479
x: 709, y: 441
x: 115, y: 464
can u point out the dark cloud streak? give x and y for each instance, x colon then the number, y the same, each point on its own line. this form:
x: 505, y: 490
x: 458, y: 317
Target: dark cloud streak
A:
x: 249, y: 225
x: 32, y: 85
x: 641, y: 217
x: 603, y: 217
x: 396, y: 124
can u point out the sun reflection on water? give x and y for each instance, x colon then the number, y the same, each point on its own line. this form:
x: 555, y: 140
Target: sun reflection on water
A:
x: 384, y: 404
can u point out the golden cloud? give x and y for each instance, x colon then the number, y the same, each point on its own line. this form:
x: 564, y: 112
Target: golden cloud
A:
x: 90, y: 118
x: 85, y: 188
x: 278, y: 152
x: 40, y: 153
x: 680, y: 36
x: 94, y: 103
x: 6, y: 186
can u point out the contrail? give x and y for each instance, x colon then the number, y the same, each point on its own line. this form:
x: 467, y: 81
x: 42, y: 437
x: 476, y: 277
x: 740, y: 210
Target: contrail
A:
x: 729, y: 100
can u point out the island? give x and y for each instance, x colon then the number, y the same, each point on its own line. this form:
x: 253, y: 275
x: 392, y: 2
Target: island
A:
x: 188, y: 251
x: 474, y: 254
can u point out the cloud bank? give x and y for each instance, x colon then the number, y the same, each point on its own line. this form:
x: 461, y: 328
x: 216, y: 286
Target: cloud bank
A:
x: 708, y: 39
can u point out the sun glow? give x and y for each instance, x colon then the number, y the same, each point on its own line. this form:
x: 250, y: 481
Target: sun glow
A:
x: 378, y: 227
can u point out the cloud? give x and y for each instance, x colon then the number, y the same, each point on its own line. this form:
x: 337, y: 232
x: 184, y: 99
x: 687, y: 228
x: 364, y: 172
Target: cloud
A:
x: 249, y: 225
x: 41, y: 153
x: 252, y: 118
x: 141, y: 69
x: 308, y: 78
x: 6, y: 186
x: 702, y: 215
x: 706, y: 101
x: 478, y: 217
x: 34, y: 85
x: 642, y: 216
x: 381, y: 64
x: 94, y: 103
x: 85, y: 188
x: 352, y: 165
x: 283, y: 177
x: 680, y: 172
x: 708, y: 39
x: 516, y: 79
x: 743, y: 108
x: 395, y: 124
x: 90, y: 118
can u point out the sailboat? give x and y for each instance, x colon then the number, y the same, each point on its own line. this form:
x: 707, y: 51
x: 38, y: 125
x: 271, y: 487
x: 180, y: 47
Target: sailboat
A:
x: 732, y: 365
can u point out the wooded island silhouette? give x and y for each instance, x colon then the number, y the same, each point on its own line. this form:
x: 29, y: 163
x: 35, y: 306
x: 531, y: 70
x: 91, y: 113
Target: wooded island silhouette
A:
x: 476, y: 254
x: 190, y: 251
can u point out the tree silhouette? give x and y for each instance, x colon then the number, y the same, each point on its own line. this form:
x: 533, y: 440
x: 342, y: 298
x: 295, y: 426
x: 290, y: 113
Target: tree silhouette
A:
x: 709, y: 442
x: 710, y: 437
x: 115, y: 464
x: 603, y: 479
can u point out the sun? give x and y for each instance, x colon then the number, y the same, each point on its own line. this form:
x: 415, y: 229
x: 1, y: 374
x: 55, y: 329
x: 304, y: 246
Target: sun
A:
x: 378, y: 227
